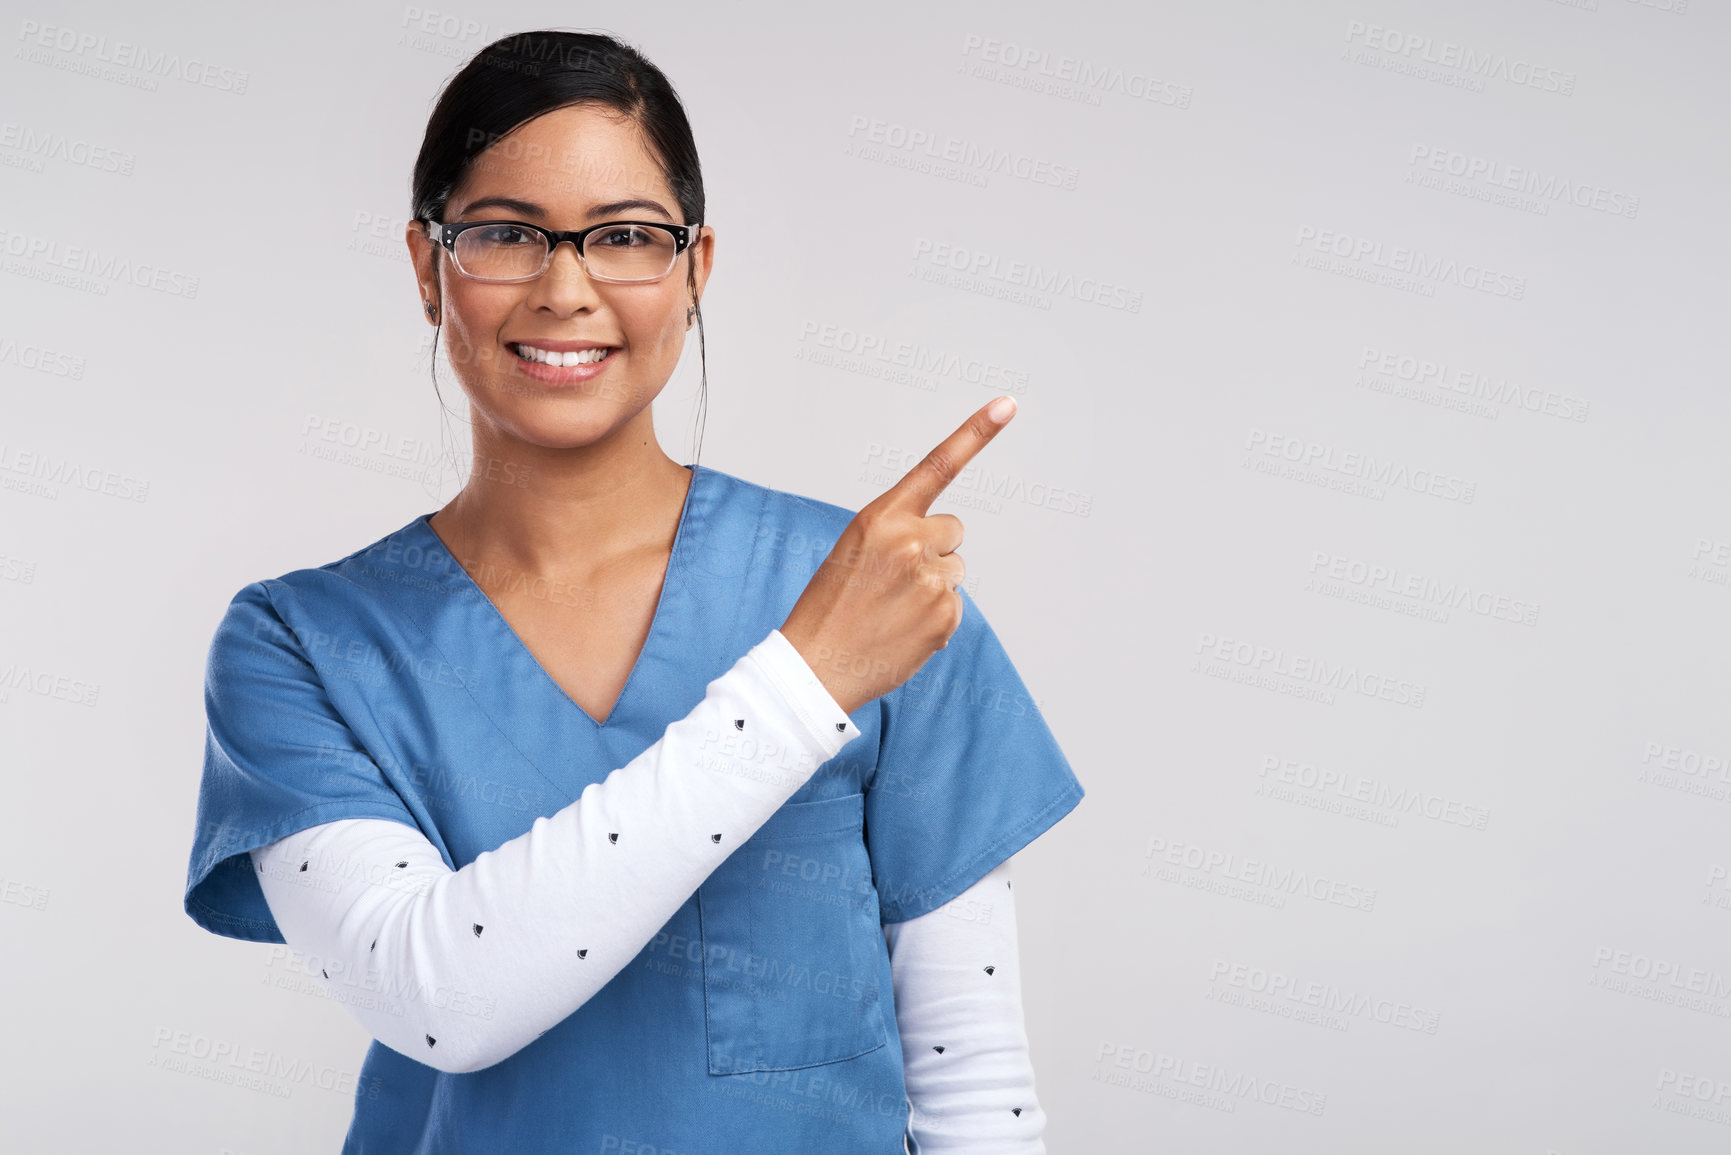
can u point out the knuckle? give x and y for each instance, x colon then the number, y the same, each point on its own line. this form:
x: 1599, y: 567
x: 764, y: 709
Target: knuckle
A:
x: 942, y: 463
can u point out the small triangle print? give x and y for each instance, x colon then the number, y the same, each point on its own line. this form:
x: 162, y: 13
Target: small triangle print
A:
x: 739, y: 723
x: 939, y: 1050
x: 715, y: 838
x: 324, y: 972
x: 303, y: 866
x: 842, y: 726
x: 1016, y: 1111
x: 989, y: 970
x: 582, y: 954
x: 613, y: 838
x: 400, y: 865
x: 431, y: 1040
x: 477, y: 930
x: 375, y: 943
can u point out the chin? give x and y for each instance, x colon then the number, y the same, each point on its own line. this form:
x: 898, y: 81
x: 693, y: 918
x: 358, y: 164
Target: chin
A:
x: 552, y: 424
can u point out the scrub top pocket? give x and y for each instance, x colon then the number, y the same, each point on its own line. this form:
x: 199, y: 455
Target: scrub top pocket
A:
x: 791, y: 940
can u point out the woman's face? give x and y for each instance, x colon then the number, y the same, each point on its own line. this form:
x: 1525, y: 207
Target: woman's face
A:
x: 566, y: 169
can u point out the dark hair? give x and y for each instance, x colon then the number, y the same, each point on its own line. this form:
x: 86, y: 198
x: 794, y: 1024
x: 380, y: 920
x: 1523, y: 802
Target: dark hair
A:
x: 517, y: 78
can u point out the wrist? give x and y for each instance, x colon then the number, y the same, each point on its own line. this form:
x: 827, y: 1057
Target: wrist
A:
x: 844, y: 689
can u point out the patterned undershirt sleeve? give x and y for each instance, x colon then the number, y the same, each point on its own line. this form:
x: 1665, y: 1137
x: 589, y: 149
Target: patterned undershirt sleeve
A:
x: 959, y: 1010
x: 467, y: 967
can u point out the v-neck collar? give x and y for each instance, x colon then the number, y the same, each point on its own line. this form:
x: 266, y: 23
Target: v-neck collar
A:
x: 675, y: 572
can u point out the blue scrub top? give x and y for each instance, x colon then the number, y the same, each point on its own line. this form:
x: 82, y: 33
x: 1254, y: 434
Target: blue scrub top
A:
x: 761, y: 1017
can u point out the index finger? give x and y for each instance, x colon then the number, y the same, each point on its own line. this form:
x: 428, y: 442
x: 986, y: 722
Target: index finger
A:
x: 920, y: 486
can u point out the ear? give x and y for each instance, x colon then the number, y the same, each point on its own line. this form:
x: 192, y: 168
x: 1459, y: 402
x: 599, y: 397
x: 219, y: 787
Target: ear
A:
x: 702, y: 252
x: 424, y: 256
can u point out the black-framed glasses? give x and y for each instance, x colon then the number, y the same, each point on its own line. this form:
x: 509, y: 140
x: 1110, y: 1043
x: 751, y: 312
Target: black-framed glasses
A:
x: 619, y: 251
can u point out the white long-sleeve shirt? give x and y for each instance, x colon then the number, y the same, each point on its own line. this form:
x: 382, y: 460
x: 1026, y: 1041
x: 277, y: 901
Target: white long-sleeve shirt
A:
x: 572, y: 900
x: 958, y: 998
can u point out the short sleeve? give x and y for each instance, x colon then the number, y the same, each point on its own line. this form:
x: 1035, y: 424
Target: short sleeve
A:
x: 278, y: 758
x: 968, y: 774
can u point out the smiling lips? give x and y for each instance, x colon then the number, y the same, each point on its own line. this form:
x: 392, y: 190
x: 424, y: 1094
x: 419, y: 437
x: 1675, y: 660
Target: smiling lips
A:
x: 561, y: 353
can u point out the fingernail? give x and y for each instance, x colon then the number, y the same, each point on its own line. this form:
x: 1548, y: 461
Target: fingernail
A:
x: 1002, y: 409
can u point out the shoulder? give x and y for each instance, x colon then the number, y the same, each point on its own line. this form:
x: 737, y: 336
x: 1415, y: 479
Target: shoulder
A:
x: 782, y: 510
x: 404, y: 559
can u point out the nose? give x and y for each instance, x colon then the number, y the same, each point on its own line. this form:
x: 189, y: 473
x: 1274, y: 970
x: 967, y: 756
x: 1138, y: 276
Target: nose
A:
x: 565, y: 286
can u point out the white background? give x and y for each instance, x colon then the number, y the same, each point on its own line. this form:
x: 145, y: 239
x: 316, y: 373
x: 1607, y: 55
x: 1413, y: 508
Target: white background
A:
x: 1406, y: 759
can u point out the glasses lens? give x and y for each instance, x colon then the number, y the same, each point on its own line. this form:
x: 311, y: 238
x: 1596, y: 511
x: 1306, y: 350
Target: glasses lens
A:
x: 500, y: 252
x: 629, y: 252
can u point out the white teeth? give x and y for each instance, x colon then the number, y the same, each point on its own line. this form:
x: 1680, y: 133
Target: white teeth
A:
x: 584, y: 357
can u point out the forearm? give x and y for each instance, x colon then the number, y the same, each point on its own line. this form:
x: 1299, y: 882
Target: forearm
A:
x: 957, y: 982
x: 473, y: 965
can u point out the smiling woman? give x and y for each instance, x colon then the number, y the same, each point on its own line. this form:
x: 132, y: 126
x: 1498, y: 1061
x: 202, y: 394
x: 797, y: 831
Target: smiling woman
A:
x: 617, y: 887
x: 522, y: 299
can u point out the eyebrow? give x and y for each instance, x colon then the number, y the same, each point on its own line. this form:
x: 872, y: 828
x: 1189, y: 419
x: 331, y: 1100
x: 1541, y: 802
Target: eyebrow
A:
x: 531, y: 209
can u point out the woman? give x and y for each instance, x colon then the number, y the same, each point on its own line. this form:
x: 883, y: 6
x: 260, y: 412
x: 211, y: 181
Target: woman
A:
x: 622, y: 810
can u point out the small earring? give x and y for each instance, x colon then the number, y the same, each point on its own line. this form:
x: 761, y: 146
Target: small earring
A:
x: 432, y: 314
x: 690, y: 313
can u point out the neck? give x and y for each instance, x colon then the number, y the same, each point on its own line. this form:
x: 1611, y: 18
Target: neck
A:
x: 556, y: 510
